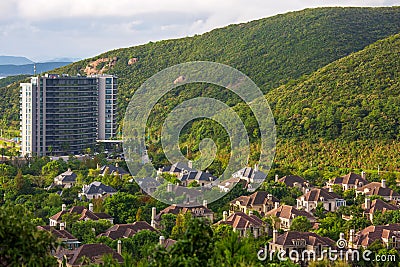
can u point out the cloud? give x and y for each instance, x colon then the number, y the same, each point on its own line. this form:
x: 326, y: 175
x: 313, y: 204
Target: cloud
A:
x: 73, y: 28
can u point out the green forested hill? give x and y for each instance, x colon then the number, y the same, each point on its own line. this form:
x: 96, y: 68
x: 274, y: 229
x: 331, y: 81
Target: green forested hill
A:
x: 273, y: 52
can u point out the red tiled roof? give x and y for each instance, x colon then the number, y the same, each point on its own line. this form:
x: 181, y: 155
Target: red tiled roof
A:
x: 375, y: 188
x: 118, y: 231
x: 85, y: 213
x: 63, y: 234
x: 372, y: 233
x: 94, y: 252
x: 240, y: 220
x: 257, y: 198
x: 316, y: 194
x: 289, y: 212
x: 311, y: 238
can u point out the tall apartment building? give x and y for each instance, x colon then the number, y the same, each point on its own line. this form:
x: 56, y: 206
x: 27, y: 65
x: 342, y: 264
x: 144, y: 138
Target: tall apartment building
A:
x: 63, y: 115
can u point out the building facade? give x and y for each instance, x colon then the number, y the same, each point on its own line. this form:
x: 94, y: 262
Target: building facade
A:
x: 63, y: 115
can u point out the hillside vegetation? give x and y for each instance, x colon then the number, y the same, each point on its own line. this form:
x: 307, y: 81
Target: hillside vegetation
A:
x: 286, y: 56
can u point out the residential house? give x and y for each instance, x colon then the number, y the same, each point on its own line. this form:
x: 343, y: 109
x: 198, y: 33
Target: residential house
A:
x: 112, y: 170
x: 253, y: 177
x: 67, y: 240
x: 85, y: 214
x: 259, y: 201
x: 97, y: 190
x: 303, y: 243
x: 191, y: 195
x: 286, y: 214
x: 176, y: 169
x: 200, y: 211
x: 348, y: 181
x: 228, y: 184
x: 329, y: 200
x: 119, y: 231
x: 370, y: 207
x: 186, y: 174
x: 147, y: 185
x: 245, y: 224
x: 294, y: 181
x: 66, y: 179
x: 87, y: 254
x: 388, y: 235
x: 379, y: 189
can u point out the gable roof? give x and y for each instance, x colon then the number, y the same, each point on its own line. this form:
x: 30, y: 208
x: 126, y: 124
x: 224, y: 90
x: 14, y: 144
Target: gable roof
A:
x: 317, y: 193
x: 379, y: 205
x: 351, y: 178
x: 311, y: 239
x: 174, y: 209
x: 68, y: 176
x: 289, y: 212
x: 98, y: 188
x: 379, y: 232
x: 290, y: 180
x: 118, y: 231
x: 62, y: 234
x: 257, y: 198
x: 94, y: 252
x: 248, y: 172
x: 112, y: 169
x: 198, y: 176
x: 375, y: 188
x: 240, y: 220
x: 83, y: 211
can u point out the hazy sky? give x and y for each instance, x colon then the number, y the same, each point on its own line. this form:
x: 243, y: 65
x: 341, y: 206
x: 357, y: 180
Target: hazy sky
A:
x: 44, y: 29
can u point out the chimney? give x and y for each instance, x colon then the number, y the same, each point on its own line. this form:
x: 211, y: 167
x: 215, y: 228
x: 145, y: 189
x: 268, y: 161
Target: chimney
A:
x: 169, y: 187
x: 190, y: 164
x: 119, y: 247
x: 383, y: 182
x: 367, y: 203
x: 153, y: 217
x: 98, y: 166
x: 330, y: 189
x: 91, y: 207
x: 116, y: 164
x: 162, y: 240
x: 69, y: 169
x: 363, y: 175
x: 351, y: 236
x: 205, y: 203
x: 62, y: 226
x: 250, y: 212
x: 276, y: 205
x: 274, y: 235
x: 269, y: 196
x: 63, y: 207
x: 224, y: 215
x: 255, y: 168
x: 276, y: 177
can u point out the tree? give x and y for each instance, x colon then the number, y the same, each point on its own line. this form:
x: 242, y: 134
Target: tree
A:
x: 167, y: 223
x: 122, y: 206
x: 233, y: 251
x: 182, y: 221
x: 21, y: 243
x: 301, y: 224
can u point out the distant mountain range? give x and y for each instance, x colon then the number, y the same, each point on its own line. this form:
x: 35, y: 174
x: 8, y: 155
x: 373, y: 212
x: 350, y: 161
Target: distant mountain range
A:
x: 13, y: 60
x: 16, y: 65
x: 9, y: 70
